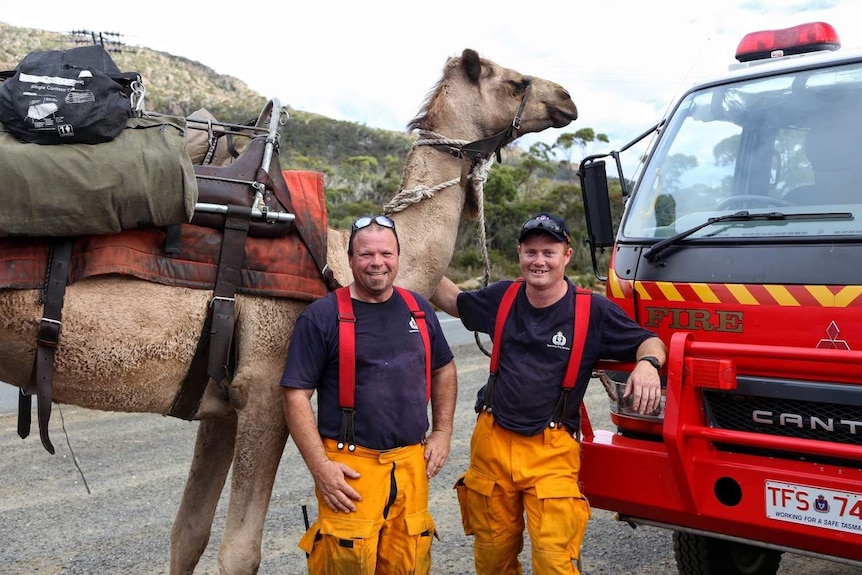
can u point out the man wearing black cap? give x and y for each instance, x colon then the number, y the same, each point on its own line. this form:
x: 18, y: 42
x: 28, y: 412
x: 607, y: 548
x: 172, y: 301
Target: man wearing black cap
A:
x: 524, y: 454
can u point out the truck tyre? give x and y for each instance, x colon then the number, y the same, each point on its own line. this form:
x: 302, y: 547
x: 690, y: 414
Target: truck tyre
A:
x: 701, y: 555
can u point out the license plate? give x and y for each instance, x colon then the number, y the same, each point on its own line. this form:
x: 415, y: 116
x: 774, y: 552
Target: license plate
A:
x: 814, y: 506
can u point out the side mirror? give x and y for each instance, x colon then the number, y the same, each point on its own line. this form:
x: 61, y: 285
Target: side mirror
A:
x: 597, y: 208
x: 597, y: 203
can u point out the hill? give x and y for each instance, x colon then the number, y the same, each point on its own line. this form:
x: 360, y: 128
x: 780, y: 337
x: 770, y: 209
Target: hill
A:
x: 179, y: 86
x: 362, y: 166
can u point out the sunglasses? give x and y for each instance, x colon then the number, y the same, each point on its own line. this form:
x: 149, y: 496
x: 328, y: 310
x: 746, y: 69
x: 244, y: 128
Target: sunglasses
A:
x: 366, y: 221
x: 545, y: 223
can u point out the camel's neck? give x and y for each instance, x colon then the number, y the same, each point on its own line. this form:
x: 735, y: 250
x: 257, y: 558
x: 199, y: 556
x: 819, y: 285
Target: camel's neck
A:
x: 428, y: 229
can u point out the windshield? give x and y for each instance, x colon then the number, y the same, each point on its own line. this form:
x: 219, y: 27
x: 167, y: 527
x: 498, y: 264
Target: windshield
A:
x: 790, y: 143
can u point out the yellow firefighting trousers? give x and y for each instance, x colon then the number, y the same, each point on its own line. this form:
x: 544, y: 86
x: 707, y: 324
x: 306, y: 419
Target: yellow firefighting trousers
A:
x: 510, y: 474
x: 390, y: 532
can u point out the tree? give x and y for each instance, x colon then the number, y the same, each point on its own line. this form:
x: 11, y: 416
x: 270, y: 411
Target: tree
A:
x: 580, y: 139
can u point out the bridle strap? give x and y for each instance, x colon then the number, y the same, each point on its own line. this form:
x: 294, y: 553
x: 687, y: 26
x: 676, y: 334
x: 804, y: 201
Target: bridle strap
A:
x: 482, y: 149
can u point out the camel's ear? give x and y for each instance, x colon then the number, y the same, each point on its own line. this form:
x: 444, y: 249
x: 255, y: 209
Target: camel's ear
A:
x: 471, y: 64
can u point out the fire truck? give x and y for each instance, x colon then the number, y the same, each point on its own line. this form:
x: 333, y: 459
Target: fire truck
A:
x: 740, y: 245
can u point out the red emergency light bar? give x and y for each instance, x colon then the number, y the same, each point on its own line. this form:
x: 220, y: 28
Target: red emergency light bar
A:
x: 800, y: 39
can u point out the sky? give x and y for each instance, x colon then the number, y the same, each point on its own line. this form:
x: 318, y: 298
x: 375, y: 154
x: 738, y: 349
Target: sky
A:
x: 374, y: 61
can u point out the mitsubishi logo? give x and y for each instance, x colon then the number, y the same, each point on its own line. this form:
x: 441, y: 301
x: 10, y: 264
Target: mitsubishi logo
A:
x: 832, y: 342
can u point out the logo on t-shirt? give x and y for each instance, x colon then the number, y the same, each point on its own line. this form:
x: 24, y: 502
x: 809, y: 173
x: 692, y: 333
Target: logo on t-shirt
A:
x: 558, y: 341
x: 412, y: 323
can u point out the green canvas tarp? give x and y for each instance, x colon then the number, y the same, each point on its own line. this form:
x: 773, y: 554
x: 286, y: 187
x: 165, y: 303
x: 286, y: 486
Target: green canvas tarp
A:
x: 144, y: 177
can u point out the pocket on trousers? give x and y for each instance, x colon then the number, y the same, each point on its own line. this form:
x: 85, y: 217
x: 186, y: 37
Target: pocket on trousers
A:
x: 461, y: 490
x: 421, y: 529
x: 421, y: 524
x: 341, y: 532
x: 479, y: 483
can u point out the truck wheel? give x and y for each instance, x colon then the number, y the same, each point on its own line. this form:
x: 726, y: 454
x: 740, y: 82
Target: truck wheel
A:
x: 700, y: 555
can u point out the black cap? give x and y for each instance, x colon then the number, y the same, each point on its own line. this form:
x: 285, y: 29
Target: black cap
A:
x: 548, y: 223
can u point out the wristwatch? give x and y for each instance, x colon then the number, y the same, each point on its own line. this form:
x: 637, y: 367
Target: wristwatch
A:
x: 653, y: 361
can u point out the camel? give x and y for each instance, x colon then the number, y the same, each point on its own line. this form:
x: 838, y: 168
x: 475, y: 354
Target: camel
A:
x: 126, y: 343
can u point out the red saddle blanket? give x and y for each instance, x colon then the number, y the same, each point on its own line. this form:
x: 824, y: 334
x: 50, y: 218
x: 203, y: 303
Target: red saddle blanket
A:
x: 273, y: 267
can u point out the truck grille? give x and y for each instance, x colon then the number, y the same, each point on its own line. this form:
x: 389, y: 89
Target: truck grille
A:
x: 789, y: 409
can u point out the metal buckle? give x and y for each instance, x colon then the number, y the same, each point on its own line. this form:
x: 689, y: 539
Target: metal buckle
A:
x: 48, y: 334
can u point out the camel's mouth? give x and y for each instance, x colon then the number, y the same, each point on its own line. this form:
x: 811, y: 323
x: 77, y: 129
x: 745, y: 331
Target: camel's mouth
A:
x: 562, y: 118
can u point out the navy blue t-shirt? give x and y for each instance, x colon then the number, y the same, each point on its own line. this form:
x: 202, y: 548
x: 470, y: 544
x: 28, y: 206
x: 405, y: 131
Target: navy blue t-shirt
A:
x: 391, y: 405
x: 536, y: 346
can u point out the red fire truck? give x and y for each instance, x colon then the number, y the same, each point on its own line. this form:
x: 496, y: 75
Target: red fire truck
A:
x: 741, y: 246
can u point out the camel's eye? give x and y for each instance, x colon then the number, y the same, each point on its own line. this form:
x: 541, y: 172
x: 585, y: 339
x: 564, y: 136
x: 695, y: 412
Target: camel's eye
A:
x: 519, y: 86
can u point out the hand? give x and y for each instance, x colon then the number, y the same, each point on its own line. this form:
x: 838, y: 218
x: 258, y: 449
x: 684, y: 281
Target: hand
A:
x: 331, y: 481
x: 644, y: 386
x: 436, y: 451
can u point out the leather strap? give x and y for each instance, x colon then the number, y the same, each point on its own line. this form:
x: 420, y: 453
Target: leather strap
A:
x: 25, y: 406
x: 228, y: 277
x: 47, y: 340
x: 482, y: 149
x: 213, y: 357
x: 188, y: 398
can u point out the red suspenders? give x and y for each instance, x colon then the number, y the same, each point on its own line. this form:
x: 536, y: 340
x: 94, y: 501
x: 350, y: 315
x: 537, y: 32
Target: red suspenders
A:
x: 347, y: 357
x: 582, y: 313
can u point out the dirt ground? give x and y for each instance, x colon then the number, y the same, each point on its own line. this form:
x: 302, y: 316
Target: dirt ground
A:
x: 135, y: 467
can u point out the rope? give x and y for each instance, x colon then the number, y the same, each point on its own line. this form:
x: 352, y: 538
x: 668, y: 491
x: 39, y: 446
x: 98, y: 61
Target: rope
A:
x: 434, y: 139
x: 72, y: 451
x: 406, y: 198
x: 480, y: 176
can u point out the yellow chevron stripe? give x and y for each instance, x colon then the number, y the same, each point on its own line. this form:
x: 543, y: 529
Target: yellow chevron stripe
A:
x: 705, y: 294
x: 822, y: 294
x: 614, y: 284
x: 846, y: 295
x: 742, y: 295
x: 669, y: 291
x: 643, y: 292
x: 781, y: 295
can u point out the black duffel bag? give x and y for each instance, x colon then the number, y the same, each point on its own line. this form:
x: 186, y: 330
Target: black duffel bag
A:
x: 69, y: 96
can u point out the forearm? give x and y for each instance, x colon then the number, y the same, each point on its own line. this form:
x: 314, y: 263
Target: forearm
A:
x: 446, y: 296
x: 652, y: 347
x: 302, y: 426
x: 444, y: 396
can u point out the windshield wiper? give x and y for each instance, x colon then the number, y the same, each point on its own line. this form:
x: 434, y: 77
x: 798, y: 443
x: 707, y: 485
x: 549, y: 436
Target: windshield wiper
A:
x: 657, y: 248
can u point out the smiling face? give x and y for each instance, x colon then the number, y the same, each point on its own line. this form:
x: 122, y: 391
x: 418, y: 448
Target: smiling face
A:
x: 543, y: 261
x: 374, y: 263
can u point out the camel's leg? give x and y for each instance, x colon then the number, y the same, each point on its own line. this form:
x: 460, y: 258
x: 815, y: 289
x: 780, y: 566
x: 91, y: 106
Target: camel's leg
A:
x: 214, y: 451
x: 263, y: 334
x: 261, y: 437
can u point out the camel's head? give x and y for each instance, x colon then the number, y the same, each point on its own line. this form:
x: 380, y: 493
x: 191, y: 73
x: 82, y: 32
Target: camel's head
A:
x: 477, y: 98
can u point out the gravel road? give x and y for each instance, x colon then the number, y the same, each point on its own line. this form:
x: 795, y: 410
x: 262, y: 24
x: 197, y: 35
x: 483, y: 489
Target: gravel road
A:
x: 135, y: 467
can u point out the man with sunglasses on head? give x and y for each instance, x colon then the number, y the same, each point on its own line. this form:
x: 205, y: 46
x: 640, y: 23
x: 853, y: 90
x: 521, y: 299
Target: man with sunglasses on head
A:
x: 369, y: 449
x: 524, y: 453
